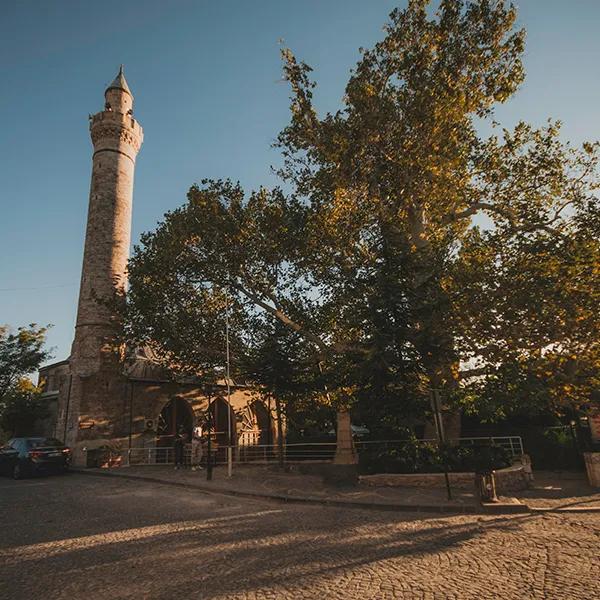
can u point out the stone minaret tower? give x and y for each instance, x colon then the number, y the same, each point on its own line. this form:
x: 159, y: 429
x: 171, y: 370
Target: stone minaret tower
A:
x: 95, y: 405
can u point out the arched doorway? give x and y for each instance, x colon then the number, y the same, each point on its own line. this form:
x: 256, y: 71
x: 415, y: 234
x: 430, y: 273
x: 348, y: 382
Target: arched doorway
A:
x: 222, y: 417
x: 176, y: 416
x: 257, y: 425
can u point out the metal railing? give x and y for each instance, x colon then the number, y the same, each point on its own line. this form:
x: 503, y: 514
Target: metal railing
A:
x: 311, y: 451
x: 150, y: 456
x: 302, y: 452
x: 512, y: 443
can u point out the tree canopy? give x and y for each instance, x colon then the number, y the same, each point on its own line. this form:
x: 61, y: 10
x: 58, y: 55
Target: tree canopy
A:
x: 374, y: 258
x: 21, y: 353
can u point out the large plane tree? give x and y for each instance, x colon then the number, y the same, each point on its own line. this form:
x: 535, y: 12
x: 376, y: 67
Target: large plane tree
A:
x: 374, y: 258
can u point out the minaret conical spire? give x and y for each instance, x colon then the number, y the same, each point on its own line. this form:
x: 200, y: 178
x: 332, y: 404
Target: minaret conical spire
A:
x: 118, y: 96
x: 119, y: 82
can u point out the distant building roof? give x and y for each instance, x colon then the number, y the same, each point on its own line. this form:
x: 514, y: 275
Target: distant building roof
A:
x: 60, y: 363
x: 144, y: 365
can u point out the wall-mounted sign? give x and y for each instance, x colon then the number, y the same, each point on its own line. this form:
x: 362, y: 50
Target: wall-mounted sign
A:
x: 86, y: 424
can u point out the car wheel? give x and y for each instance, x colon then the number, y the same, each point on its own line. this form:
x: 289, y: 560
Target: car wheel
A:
x: 17, y: 472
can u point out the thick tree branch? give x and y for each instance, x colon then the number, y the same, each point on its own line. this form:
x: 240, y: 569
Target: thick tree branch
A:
x: 283, y: 317
x: 475, y: 372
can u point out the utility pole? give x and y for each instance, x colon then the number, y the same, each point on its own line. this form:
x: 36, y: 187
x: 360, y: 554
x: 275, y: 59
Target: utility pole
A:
x: 209, y: 464
x: 227, y: 382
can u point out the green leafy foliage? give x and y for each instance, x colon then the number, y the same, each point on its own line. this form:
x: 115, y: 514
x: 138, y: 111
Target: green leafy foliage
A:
x: 414, y: 456
x: 21, y: 353
x: 372, y: 263
x: 528, y: 313
x: 401, y: 170
x: 21, y: 408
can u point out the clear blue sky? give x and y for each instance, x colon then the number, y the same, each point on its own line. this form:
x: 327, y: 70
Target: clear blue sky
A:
x: 206, y: 79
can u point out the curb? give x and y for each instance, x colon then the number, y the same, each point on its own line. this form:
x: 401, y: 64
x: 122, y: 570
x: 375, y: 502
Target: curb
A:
x: 571, y: 510
x: 496, y: 509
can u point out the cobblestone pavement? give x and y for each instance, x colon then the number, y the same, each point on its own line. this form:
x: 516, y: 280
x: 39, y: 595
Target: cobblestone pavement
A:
x: 84, y: 537
x: 556, y: 489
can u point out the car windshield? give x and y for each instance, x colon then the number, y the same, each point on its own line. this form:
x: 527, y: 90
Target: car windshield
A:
x: 43, y: 442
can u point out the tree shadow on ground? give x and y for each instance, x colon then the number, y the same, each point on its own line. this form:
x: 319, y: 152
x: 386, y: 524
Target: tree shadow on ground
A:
x: 267, y: 545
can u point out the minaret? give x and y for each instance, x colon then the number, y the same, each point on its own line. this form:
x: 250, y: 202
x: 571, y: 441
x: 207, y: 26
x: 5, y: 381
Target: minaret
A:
x: 95, y: 401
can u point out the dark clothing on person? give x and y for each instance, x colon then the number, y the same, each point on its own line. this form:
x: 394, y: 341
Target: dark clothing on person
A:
x: 178, y: 446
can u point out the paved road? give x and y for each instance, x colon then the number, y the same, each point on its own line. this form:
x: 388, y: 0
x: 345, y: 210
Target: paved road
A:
x: 78, y: 536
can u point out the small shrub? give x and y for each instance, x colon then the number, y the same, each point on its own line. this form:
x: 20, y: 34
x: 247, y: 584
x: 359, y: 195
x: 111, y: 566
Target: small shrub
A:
x: 413, y: 456
x: 553, y: 448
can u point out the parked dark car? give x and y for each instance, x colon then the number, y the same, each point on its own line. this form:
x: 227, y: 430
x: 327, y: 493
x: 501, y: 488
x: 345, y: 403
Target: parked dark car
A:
x: 25, y: 456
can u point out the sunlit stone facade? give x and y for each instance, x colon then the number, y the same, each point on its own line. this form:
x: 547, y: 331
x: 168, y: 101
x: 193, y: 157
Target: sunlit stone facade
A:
x: 99, y: 402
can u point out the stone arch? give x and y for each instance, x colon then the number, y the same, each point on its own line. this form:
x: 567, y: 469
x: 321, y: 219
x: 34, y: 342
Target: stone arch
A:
x: 218, y: 410
x: 256, y: 425
x: 176, y: 415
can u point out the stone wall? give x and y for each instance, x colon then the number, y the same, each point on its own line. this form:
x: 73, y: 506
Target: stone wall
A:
x: 150, y: 398
x: 138, y: 405
x: 462, y: 480
x: 512, y: 479
x: 55, y: 380
x: 508, y: 480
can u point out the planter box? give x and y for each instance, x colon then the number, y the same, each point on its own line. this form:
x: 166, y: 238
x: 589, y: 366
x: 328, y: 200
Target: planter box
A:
x: 508, y: 480
x: 592, y: 466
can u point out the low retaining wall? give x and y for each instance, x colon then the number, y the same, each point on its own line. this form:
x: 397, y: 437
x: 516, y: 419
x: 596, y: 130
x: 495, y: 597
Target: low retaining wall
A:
x: 418, y: 479
x: 511, y: 479
x: 592, y: 467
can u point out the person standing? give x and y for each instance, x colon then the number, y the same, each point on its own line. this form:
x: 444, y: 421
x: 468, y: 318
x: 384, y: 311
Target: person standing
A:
x: 178, y: 447
x: 196, y: 448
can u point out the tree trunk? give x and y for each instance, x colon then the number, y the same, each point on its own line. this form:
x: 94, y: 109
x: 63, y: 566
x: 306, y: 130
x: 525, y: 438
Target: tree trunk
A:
x: 345, y: 453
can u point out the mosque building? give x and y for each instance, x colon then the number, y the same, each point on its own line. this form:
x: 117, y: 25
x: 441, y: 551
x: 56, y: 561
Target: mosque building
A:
x: 96, y: 400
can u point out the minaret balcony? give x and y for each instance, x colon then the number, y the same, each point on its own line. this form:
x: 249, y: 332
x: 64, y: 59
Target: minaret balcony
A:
x: 115, y: 118
x: 112, y: 128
